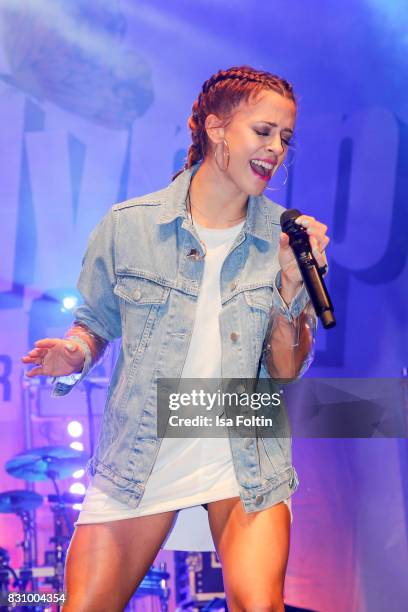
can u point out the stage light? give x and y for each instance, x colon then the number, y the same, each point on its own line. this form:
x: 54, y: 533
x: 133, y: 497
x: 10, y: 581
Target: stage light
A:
x: 75, y: 429
x: 77, y: 507
x: 77, y: 445
x: 69, y: 302
x: 78, y: 488
x: 78, y: 474
x: 51, y: 313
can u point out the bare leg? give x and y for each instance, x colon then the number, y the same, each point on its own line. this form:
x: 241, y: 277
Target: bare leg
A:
x: 253, y: 549
x: 107, y: 561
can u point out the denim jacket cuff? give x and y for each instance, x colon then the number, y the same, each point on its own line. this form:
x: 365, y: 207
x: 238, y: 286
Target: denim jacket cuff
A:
x: 297, y: 304
x: 64, y: 384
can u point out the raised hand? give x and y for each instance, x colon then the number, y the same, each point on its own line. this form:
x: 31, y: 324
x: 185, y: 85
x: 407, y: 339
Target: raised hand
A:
x: 55, y: 357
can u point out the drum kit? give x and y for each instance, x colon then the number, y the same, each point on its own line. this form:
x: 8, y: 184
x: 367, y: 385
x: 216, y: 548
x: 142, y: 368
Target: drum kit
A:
x: 52, y: 463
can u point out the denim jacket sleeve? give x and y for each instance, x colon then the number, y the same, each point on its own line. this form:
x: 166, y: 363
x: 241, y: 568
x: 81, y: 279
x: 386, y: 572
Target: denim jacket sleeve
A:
x: 100, y: 309
x: 300, y: 341
x: 296, y: 306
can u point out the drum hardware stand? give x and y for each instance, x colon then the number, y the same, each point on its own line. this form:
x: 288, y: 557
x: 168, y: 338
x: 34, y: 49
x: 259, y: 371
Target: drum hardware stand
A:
x: 5, y: 571
x: 29, y: 392
x: 26, y: 574
x: 165, y: 594
x: 59, y: 539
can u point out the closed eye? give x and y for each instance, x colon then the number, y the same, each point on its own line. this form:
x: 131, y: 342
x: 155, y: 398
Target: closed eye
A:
x: 286, y: 141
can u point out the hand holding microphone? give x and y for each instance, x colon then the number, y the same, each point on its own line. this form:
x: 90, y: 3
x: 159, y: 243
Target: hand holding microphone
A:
x: 301, y: 257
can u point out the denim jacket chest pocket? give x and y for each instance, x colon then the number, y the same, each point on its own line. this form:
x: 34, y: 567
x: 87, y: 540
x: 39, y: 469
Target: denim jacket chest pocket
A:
x: 143, y: 302
x: 244, y: 323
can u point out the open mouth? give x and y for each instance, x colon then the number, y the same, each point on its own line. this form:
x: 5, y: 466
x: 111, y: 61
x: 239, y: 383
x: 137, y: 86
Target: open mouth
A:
x: 262, y: 169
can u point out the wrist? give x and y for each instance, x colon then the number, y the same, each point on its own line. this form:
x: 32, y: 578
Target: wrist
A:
x: 89, y: 341
x: 78, y: 349
x: 289, y: 288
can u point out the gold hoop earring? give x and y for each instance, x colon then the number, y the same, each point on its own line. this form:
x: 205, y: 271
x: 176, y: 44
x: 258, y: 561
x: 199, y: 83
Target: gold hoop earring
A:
x: 225, y: 154
x: 284, y: 182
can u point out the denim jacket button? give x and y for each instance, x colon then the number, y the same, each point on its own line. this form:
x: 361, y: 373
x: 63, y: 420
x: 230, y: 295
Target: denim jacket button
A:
x: 234, y: 336
x: 233, y: 286
x: 240, y: 389
x: 137, y: 294
x: 259, y: 499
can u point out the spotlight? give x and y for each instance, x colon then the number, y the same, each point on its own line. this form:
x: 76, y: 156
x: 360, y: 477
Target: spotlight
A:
x: 75, y: 429
x: 77, y: 445
x: 78, y: 488
x: 78, y: 474
x: 77, y: 507
x: 51, y: 313
x: 69, y: 302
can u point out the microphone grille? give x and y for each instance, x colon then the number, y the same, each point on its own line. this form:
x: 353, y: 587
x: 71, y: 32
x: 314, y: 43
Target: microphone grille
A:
x: 289, y: 215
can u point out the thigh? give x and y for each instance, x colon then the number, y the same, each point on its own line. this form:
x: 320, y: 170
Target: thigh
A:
x: 107, y: 561
x: 253, y: 549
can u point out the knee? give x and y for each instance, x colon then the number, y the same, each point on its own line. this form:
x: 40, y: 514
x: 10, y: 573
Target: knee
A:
x: 272, y: 602
x: 272, y: 606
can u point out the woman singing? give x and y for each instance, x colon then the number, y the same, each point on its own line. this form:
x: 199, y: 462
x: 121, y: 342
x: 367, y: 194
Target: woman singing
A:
x: 199, y: 282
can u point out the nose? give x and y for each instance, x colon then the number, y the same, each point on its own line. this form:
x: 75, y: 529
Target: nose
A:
x: 275, y: 145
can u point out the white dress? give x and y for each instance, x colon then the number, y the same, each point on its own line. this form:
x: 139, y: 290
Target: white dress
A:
x: 187, y: 472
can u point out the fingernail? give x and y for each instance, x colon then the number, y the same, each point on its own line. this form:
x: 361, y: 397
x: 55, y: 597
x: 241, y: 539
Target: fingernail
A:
x: 70, y: 347
x: 305, y: 222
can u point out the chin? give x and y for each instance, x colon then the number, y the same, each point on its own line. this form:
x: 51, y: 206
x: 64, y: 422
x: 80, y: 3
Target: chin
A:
x: 248, y: 188
x: 248, y: 185
x: 257, y: 191
x: 255, y: 187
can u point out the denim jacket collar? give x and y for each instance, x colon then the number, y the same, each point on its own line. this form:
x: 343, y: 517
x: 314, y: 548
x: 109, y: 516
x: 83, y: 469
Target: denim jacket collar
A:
x: 262, y: 212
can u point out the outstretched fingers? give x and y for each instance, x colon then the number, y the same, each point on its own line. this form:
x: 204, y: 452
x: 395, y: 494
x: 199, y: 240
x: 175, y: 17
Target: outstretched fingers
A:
x: 36, y: 355
x: 35, y: 372
x: 47, y: 343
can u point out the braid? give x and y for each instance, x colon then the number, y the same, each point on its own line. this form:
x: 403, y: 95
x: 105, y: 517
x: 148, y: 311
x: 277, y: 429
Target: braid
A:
x: 195, y: 123
x: 250, y: 75
x: 220, y: 94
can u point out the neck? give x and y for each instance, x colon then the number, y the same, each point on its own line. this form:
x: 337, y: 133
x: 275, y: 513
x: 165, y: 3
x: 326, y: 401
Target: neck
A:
x: 216, y: 200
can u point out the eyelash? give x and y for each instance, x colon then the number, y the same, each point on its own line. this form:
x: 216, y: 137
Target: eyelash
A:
x: 287, y: 142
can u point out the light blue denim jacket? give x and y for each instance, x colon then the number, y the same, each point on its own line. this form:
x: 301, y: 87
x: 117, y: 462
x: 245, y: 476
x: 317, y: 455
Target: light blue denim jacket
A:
x: 139, y: 282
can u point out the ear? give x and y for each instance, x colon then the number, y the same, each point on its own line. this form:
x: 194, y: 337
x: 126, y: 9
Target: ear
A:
x: 215, y: 129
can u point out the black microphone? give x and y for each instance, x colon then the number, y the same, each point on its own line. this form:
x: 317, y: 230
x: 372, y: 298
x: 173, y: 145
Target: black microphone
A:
x: 308, y: 266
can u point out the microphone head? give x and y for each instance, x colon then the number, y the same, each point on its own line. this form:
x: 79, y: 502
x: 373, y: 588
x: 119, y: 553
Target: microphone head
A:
x: 288, y: 217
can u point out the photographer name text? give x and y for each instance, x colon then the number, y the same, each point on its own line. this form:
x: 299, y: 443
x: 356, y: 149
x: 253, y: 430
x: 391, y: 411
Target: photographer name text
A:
x: 238, y: 420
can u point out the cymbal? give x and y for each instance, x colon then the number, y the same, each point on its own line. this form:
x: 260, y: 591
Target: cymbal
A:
x: 66, y: 499
x: 18, y: 501
x: 46, y: 462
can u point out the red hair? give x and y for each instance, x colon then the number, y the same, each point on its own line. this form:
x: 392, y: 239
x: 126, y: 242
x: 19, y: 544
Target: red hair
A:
x: 220, y: 94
